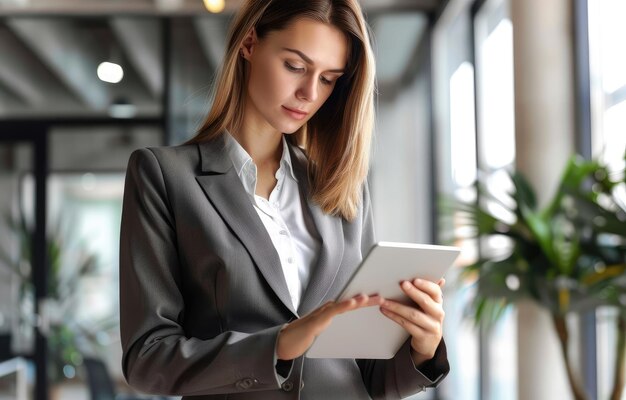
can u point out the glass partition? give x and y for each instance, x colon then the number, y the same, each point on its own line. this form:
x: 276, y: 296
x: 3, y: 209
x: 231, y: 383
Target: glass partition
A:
x: 85, y: 192
x: 17, y: 295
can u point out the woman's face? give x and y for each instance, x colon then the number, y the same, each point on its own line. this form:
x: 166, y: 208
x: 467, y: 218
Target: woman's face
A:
x: 291, y: 74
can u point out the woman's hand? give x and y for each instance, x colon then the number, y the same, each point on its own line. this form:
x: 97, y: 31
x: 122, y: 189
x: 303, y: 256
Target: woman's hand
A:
x: 296, y: 337
x: 424, y: 320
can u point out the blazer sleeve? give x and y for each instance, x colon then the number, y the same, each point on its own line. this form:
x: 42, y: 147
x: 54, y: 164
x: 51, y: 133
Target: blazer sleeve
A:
x: 158, y: 357
x: 397, y: 377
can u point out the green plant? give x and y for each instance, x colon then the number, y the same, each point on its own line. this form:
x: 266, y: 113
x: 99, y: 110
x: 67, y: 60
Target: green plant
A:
x: 67, y: 338
x: 569, y: 256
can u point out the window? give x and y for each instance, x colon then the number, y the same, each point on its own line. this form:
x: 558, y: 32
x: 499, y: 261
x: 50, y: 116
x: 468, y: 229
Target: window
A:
x: 476, y: 138
x: 455, y: 152
x: 607, y: 62
x: 496, y: 156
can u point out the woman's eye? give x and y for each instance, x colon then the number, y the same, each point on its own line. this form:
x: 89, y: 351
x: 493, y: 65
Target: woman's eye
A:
x: 292, y: 68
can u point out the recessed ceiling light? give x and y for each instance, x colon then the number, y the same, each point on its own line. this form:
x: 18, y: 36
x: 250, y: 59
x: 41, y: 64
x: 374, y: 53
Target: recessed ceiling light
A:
x: 215, y: 6
x: 121, y: 108
x: 110, y: 72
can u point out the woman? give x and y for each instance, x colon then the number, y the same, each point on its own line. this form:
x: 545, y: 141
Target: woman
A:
x: 234, y: 244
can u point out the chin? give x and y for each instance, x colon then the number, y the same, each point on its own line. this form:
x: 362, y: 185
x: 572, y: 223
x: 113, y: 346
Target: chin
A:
x: 289, y: 128
x: 290, y: 131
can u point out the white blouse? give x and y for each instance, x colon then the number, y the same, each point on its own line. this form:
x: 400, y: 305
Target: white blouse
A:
x: 283, y: 217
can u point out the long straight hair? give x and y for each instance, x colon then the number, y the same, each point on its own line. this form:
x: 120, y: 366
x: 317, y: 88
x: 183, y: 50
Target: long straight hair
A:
x: 337, y: 139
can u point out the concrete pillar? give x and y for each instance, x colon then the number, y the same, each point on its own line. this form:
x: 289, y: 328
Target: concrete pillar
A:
x: 544, y: 92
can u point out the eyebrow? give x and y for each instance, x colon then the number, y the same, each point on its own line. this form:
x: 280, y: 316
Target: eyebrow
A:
x: 308, y: 60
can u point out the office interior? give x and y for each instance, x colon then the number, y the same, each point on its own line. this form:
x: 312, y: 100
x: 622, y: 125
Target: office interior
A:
x: 469, y: 91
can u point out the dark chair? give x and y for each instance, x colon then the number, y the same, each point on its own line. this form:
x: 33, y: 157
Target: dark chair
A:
x: 5, y: 347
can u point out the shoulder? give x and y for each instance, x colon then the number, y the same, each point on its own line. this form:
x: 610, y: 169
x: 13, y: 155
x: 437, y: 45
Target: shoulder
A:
x: 165, y: 158
x: 162, y: 170
x: 180, y: 152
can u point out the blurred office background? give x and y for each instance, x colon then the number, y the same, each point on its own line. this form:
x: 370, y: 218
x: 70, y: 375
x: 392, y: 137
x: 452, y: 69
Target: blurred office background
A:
x: 466, y: 88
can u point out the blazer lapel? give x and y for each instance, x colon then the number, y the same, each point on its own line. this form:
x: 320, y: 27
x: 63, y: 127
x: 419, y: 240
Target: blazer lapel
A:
x: 227, y: 194
x: 330, y: 230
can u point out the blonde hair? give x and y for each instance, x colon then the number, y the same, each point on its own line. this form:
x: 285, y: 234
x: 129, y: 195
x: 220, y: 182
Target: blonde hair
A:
x: 337, y: 139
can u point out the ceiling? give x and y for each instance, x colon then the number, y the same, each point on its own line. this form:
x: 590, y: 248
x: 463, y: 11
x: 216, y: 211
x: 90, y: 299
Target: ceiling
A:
x: 169, y: 7
x: 52, y: 48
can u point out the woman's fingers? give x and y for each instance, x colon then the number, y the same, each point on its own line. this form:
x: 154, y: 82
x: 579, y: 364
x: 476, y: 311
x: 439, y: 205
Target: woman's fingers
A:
x: 411, y: 314
x: 332, y: 309
x: 423, y: 341
x: 422, y: 320
x: 358, y: 301
x: 431, y: 288
x: 429, y: 313
x: 415, y: 330
x: 424, y: 301
x: 296, y: 337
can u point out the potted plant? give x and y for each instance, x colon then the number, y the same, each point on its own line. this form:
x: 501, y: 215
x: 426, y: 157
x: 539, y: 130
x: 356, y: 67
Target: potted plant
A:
x: 68, y: 339
x: 568, y: 257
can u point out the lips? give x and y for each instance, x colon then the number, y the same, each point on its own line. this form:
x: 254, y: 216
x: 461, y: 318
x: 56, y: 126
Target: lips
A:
x: 296, y: 110
x: 295, y: 113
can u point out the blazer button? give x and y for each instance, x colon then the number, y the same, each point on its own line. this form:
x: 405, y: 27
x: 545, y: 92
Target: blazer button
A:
x: 287, y: 386
x: 245, y: 383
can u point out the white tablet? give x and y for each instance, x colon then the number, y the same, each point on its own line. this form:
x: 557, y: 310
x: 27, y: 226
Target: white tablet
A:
x: 366, y: 332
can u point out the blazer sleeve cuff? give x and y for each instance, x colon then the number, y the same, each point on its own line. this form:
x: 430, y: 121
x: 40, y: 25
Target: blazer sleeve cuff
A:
x: 263, y: 378
x: 428, y: 375
x: 436, y: 368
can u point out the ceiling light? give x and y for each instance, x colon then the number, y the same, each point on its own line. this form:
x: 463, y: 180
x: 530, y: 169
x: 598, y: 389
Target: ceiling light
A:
x: 169, y: 5
x: 215, y: 6
x: 122, y: 111
x: 110, y: 72
x: 121, y: 108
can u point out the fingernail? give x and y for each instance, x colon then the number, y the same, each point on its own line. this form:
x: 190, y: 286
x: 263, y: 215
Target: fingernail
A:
x: 406, y: 284
x: 417, y: 281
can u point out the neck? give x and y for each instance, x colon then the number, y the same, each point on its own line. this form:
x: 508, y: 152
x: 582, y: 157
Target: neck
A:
x: 262, y: 148
x: 259, y: 138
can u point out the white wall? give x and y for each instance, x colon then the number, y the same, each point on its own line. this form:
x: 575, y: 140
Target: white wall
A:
x: 399, y: 178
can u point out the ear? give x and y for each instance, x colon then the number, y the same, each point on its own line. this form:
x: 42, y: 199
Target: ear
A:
x: 247, y: 46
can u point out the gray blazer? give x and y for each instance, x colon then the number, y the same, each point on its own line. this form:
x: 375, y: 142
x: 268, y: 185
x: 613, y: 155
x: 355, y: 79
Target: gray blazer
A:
x: 203, y: 296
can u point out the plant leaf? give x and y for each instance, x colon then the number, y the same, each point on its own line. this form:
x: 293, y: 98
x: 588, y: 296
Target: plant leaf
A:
x: 524, y: 194
x: 541, y: 231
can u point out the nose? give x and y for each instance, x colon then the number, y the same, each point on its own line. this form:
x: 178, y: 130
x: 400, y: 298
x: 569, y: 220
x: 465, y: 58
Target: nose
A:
x: 308, y: 89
